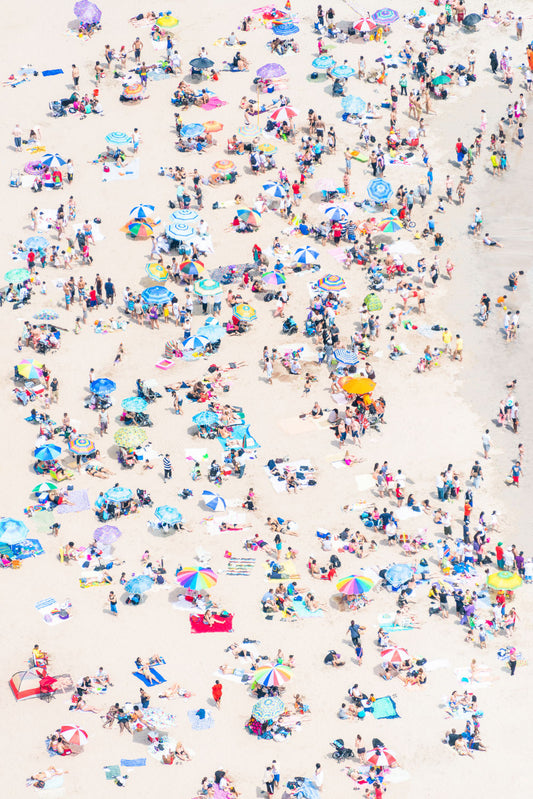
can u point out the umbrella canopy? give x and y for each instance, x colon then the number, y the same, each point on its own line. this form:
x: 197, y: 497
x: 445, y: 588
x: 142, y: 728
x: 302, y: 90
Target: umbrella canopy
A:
x: 187, y: 215
x: 284, y: 28
x: 133, y: 90
x: 336, y: 213
x: 157, y: 295
x: 273, y: 279
x: 244, y: 312
x: 87, y: 12
x: 346, y: 357
x: 381, y: 757
x: 504, y: 581
x: 17, y: 275
x: 25, y: 684
x: 46, y: 315
x: 139, y: 584
x: 156, y: 271
x: 470, y: 20
x: 43, y: 488
x: 284, y: 114
x: 192, y: 129
x: 205, y: 287
x: 74, y: 734
x: 403, y: 248
x: 130, y: 437
x: 272, y: 675
x: 390, y: 225
x: 249, y: 216
x: 385, y: 16
x: 328, y: 184
x: 140, y: 230
x: 357, y: 385
x: 53, y: 160
x: 107, y: 534
x: 364, y: 25
x: 29, y: 369
x: 306, y: 255
x: 168, y: 514
x: 343, y: 71
x: 35, y: 243
x: 103, y: 386
x: 205, y: 419
x: 331, y: 283
x: 355, y: 584
x: 353, y: 105
x: 180, y: 231
x: 119, y: 138
x: 81, y: 445
x: 195, y: 343
x: 213, y: 126
x: 118, y: 494
x: 379, y: 190
x: 201, y: 63
x: 223, y: 165
x: 323, y: 62
x: 268, y: 709
x: 12, y: 531
x: 47, y: 453
x: 394, y: 654
x: 213, y: 501
x: 269, y: 71
x: 274, y: 189
x: 398, y: 574
x: 167, y: 21
x: 211, y: 332
x: 197, y: 579
x: 134, y: 404
x: 441, y: 79
x: 142, y: 211
x: 192, y: 268
x: 372, y: 302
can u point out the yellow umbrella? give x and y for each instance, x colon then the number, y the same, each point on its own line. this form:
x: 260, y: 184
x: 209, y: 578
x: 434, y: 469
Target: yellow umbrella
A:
x: 130, y: 437
x: 504, y: 581
x: 358, y: 385
x: 167, y: 21
x: 156, y: 271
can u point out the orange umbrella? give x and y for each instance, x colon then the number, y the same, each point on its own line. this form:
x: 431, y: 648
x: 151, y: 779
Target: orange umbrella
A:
x: 133, y: 91
x: 212, y: 126
x: 357, y: 385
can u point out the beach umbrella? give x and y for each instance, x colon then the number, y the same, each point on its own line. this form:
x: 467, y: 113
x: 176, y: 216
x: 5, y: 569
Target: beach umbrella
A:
x: 355, y: 584
x: 142, y: 211
x: 306, y: 255
x: 168, y: 514
x: 139, y: 584
x: 103, y: 386
x: 52, y: 160
x: 244, y: 312
x: 118, y: 494
x: 44, y: 488
x: 353, y: 105
x: 270, y: 71
x: 192, y: 129
x: 205, y: 287
x: 249, y: 216
x: 346, y: 357
x: 211, y: 332
x: 201, y: 63
x: 269, y: 708
x: 35, y: 243
x: 403, y: 248
x: 197, y: 579
x: 187, y: 215
x: 195, y: 343
x: 381, y: 757
x: 327, y: 184
x: 157, y: 295
x: 134, y: 404
x: 249, y: 132
x: 284, y: 28
x: 284, y: 114
x: 379, y: 190
x: 213, y: 501
x: 272, y: 675
x: 504, y: 581
x: 398, y: 574
x: 331, y: 283
x: 133, y: 90
x: 268, y: 149
x: 47, y: 453
x: 273, y: 279
x: 192, y: 268
x: 323, y: 62
x: 274, y: 189
x: 223, y: 165
x: 471, y: 20
x: 365, y: 25
x: 213, y: 126
x: 167, y: 21
x: 343, y: 71
x: 372, y: 302
x: 140, y: 230
x: 29, y: 369
x: 12, y: 531
x: 74, y: 734
x: 357, y: 385
x: 180, y: 231
x: 46, y: 315
x: 156, y: 271
x: 441, y: 79
x: 130, y: 437
x: 107, y: 534
x: 17, y: 275
x: 336, y: 213
x: 87, y: 12
x: 385, y: 16
x: 394, y: 654
x: 118, y: 138
x: 81, y: 445
x: 390, y: 225
x: 205, y: 418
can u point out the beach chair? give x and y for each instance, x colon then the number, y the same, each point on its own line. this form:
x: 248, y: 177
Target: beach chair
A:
x: 66, y: 475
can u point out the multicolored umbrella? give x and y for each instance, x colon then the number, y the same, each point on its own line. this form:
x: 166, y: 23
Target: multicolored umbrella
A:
x: 192, y: 268
x: 119, y: 138
x: 213, y: 126
x: 274, y: 189
x: 103, y: 386
x: 268, y: 149
x: 139, y: 584
x: 323, y: 62
x: 381, y: 757
x: 140, y: 230
x: 250, y: 132
x: 30, y: 369
x: 244, y: 312
x: 192, y: 129
x: 81, y: 445
x: 365, y: 25
x: 52, y: 160
x: 44, y: 488
x: 36, y: 243
x: 180, y: 231
x: 355, y: 584
x: 205, y: 287
x: 385, y: 16
x: 504, y: 581
x: 272, y: 676
x: 12, y: 531
x: 270, y: 71
x: 343, y: 71
x: 196, y: 579
x: 390, y: 225
x: 134, y: 404
x: 394, y: 654
x: 71, y: 732
x: 195, y: 343
x: 168, y: 514
x: 273, y: 279
x: 336, y: 213
x: 107, y: 534
x: 157, y: 295
x: 373, y: 302
x: 357, y: 385
x: 167, y: 21
x: 346, y: 357
x: 142, y: 211
x: 118, y: 494
x: 269, y: 708
x: 379, y: 190
x: 331, y: 283
x: 284, y: 114
x: 156, y: 271
x: 46, y: 315
x: 187, y: 215
x: 223, y: 165
x: 205, y: 419
x: 17, y: 276
x: 134, y: 90
x: 130, y: 437
x: 306, y: 255
x: 47, y: 453
x: 213, y: 501
x: 249, y: 216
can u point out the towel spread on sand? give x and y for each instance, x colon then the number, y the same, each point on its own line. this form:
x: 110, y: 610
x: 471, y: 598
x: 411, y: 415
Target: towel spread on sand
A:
x: 223, y: 624
x: 240, y: 567
x: 139, y: 761
x: 80, y: 500
x: 157, y: 678
x: 384, y: 708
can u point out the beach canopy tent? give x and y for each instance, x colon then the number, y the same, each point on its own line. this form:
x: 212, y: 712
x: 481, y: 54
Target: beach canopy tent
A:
x: 25, y: 684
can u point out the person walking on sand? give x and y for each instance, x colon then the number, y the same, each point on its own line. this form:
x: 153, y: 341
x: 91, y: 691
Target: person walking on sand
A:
x: 167, y: 468
x: 113, y: 603
x: 487, y: 443
x: 516, y: 471
x: 216, y: 692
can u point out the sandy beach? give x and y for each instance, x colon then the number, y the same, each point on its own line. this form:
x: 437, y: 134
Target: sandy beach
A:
x: 431, y: 419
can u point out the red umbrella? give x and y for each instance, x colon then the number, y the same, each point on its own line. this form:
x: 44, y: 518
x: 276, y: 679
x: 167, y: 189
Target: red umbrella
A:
x: 284, y: 114
x: 394, y: 655
x: 381, y: 757
x: 365, y: 25
x: 74, y: 735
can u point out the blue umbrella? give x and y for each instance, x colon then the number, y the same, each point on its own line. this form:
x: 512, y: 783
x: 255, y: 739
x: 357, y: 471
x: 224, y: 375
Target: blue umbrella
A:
x: 134, y: 404
x: 187, y: 215
x: 139, y: 584
x: 195, y: 343
x: 142, y: 211
x: 307, y: 790
x: 12, y: 531
x: 192, y: 130
x: 168, y: 515
x: 46, y: 315
x: 274, y: 189
x: 285, y: 29
x: 53, y: 160
x: 103, y: 386
x: 323, y: 62
x: 379, y: 190
x: 269, y: 708
x: 353, y: 105
x: 47, y: 453
x: 346, y: 356
x: 336, y: 213
x: 343, y: 71
x: 205, y: 418
x: 118, y: 137
x: 306, y: 255
x: 398, y: 574
x: 211, y: 332
x: 180, y: 231
x: 36, y: 243
x: 157, y: 295
x: 385, y: 16
x: 118, y: 494
x: 213, y: 501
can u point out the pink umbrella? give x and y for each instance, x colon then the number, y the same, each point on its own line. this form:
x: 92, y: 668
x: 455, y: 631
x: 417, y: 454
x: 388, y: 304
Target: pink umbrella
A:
x: 365, y: 25
x: 284, y: 114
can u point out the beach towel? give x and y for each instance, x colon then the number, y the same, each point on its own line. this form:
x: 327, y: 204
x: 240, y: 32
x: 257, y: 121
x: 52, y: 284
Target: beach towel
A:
x: 43, y: 521
x: 182, y: 603
x: 27, y: 549
x: 112, y: 772
x: 46, y: 73
x: 155, y: 674
x: 96, y: 579
x: 385, y: 708
x: 303, y: 612
x: 240, y: 567
x: 223, y: 624
x: 200, y: 719
x: 214, y: 102
x: 126, y: 172
x: 290, y: 571
x: 54, y: 783
x: 139, y: 761
x: 80, y: 500
x: 159, y: 718
x: 53, y: 612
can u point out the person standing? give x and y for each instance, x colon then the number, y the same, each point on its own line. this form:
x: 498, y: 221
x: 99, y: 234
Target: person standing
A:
x: 137, y: 46
x: 54, y: 389
x: 512, y: 660
x: 355, y: 632
x: 17, y: 137
x: 135, y: 138
x: 487, y: 443
x: 216, y: 692
x: 269, y: 782
x: 516, y: 471
x: 75, y: 76
x: 103, y: 419
x: 318, y: 776
x: 167, y: 468
x: 109, y: 289
x: 113, y: 603
x: 276, y: 774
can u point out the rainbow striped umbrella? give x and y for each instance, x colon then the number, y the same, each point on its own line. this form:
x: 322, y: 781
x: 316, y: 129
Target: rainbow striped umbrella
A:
x: 194, y: 268
x: 249, y: 216
x: 272, y: 675
x: 390, y: 225
x: 355, y: 584
x: 29, y: 369
x: 156, y: 271
x: 331, y: 283
x: 81, y: 445
x: 140, y: 230
x: 197, y: 579
x: 244, y: 312
x: 133, y: 91
x: 273, y: 278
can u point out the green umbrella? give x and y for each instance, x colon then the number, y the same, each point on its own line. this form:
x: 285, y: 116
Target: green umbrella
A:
x: 372, y: 302
x: 440, y: 79
x: 205, y: 287
x: 17, y: 275
x: 44, y: 488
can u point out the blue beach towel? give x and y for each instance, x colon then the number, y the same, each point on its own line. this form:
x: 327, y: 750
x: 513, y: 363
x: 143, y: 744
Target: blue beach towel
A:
x: 139, y: 761
x: 47, y: 72
x: 385, y: 708
x: 154, y: 674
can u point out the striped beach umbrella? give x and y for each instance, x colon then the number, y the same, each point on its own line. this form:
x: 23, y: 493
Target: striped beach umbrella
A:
x: 331, y: 283
x: 140, y: 230
x: 134, y: 90
x: 213, y: 501
x: 205, y: 419
x: 205, y: 287
x: 180, y: 231
x: 156, y: 271
x: 390, y: 225
x: 355, y: 584
x: 195, y: 343
x: 394, y: 654
x: 44, y: 488
x: 272, y: 676
x: 365, y: 25
x: 346, y: 357
x: 244, y: 312
x: 119, y: 138
x: 323, y: 62
x: 274, y: 189
x: 336, y: 213
x: 284, y: 114
x: 192, y: 268
x: 30, y: 369
x: 381, y: 757
x: 47, y: 453
x: 379, y: 190
x: 196, y: 579
x: 343, y: 71
x: 142, y: 211
x: 81, y: 445
x: 223, y: 165
x: 187, y: 215
x: 306, y: 255
x: 273, y: 279
x: 249, y: 216
x: 53, y: 160
x: 74, y: 734
x: 157, y: 295
x: 118, y: 494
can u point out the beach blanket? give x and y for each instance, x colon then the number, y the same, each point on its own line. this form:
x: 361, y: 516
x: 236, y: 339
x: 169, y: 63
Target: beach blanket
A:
x: 290, y: 571
x: 406, y: 513
x: 126, y: 172
x: 27, y: 549
x: 157, y: 678
x: 52, y: 611
x: 385, y: 708
x: 223, y: 624
x: 304, y: 613
x: 159, y: 718
x: 214, y: 102
x: 139, y: 761
x: 300, y: 468
x: 182, y: 603
x: 46, y: 73
x: 112, y: 772
x: 80, y: 500
x: 43, y: 521
x: 240, y: 567
x: 95, y: 579
x: 200, y: 719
